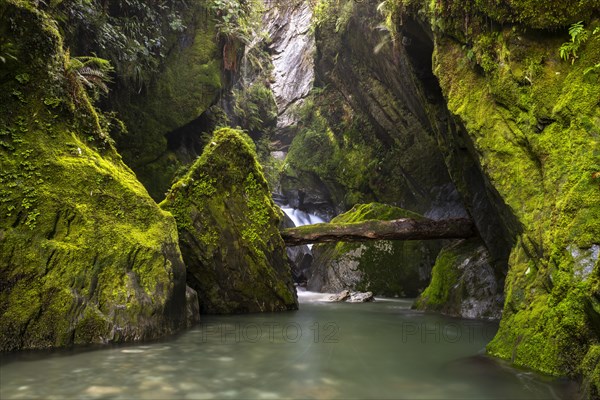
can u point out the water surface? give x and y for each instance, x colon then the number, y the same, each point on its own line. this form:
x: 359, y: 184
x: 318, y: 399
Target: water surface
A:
x: 324, y: 350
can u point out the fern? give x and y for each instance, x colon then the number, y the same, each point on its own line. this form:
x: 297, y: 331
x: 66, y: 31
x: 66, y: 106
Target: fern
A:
x: 90, y: 72
x: 579, y: 35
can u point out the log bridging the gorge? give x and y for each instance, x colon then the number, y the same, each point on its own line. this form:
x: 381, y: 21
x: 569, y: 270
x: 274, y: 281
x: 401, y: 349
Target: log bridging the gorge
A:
x: 399, y: 229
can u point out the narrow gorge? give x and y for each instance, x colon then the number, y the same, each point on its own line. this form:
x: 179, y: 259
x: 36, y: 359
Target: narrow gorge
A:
x: 157, y: 158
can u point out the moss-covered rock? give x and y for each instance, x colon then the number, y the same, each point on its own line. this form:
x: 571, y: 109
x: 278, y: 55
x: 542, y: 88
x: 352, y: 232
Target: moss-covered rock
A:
x: 371, y: 134
x: 520, y: 143
x: 86, y: 256
x: 228, y: 230
x: 464, y: 283
x: 188, y: 84
x: 389, y: 268
x: 535, y: 124
x: 541, y: 15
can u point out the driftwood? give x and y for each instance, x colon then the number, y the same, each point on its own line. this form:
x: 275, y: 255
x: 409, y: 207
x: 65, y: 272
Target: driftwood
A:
x: 399, y: 229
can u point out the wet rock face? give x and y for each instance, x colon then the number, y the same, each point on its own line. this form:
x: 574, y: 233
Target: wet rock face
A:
x: 435, y: 169
x: 86, y: 256
x: 464, y: 283
x: 228, y: 231
x: 389, y: 268
x: 543, y: 172
x: 370, y: 133
x: 301, y: 258
x: 309, y: 195
x: 292, y: 47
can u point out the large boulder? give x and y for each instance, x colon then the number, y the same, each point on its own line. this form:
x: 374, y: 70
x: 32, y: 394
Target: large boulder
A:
x: 389, y: 268
x: 86, y: 256
x: 464, y: 283
x: 228, y: 230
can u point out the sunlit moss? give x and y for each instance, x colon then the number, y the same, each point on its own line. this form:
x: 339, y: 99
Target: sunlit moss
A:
x: 86, y: 256
x: 228, y: 230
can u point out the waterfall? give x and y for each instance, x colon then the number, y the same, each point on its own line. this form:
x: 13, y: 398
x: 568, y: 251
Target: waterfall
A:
x: 300, y: 217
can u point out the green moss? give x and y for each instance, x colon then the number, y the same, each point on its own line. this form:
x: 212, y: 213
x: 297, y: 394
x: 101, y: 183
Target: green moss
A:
x: 545, y: 15
x: 228, y: 230
x: 537, y: 142
x: 374, y: 211
x: 189, y: 83
x: 81, y: 239
x: 591, y: 370
x: 443, y: 277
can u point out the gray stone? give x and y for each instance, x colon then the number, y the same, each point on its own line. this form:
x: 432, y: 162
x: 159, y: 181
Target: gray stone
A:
x: 292, y: 46
x: 341, y: 296
x: 360, y: 297
x: 464, y: 283
x: 584, y: 260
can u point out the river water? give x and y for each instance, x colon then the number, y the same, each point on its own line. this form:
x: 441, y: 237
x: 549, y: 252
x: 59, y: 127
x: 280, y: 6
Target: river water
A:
x: 324, y: 350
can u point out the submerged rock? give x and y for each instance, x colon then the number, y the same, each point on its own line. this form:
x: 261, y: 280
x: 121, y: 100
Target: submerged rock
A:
x: 86, y: 256
x: 464, y: 283
x: 390, y: 268
x: 228, y: 231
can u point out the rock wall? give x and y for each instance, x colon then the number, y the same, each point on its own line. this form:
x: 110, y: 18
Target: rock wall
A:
x: 464, y: 283
x: 291, y: 46
x: 165, y: 121
x: 228, y: 231
x: 369, y: 131
x: 534, y: 122
x: 86, y: 256
x: 515, y: 128
x: 536, y: 143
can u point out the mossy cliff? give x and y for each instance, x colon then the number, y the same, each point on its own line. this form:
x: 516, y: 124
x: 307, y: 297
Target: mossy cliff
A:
x: 368, y: 134
x: 518, y: 129
x: 389, y: 268
x: 464, y: 283
x: 228, y: 230
x: 534, y: 123
x: 187, y: 84
x: 86, y: 256
x: 412, y: 153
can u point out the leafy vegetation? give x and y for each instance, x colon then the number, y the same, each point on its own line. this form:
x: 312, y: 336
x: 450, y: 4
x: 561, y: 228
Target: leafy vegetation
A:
x: 238, y: 24
x: 132, y: 34
x: 91, y: 72
x: 579, y: 35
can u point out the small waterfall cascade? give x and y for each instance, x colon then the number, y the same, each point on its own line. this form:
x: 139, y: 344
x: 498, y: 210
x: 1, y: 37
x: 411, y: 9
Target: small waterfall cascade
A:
x: 300, y: 217
x: 301, y: 256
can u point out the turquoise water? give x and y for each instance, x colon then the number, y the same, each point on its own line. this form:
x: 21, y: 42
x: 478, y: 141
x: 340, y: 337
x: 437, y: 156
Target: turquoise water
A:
x: 324, y: 350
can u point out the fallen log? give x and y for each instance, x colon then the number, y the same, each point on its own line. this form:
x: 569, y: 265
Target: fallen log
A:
x: 399, y: 229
